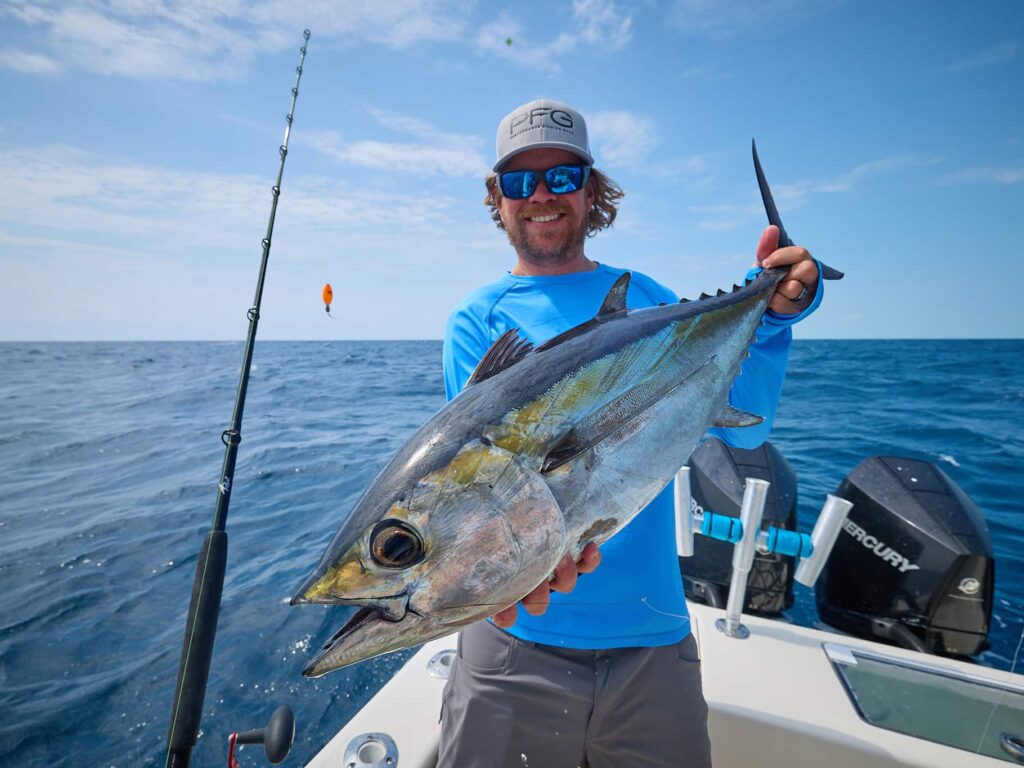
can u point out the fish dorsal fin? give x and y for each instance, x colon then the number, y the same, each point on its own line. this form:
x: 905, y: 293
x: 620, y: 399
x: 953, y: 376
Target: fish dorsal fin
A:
x: 508, y: 350
x: 734, y: 417
x: 614, y: 304
x: 615, y: 301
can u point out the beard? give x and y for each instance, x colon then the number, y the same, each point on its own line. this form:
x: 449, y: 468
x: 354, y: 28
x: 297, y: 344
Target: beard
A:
x: 558, y: 246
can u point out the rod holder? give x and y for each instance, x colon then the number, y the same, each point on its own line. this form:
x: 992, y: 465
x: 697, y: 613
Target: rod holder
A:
x: 684, y: 514
x: 823, y: 537
x: 751, y: 511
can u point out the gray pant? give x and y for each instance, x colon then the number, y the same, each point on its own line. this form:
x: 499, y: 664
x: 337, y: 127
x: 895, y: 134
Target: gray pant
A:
x: 525, y: 705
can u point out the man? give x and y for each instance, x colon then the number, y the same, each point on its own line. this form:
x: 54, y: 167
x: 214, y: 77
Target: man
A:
x: 609, y: 676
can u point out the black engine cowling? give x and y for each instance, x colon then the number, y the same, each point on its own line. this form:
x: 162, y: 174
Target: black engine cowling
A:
x: 914, y: 563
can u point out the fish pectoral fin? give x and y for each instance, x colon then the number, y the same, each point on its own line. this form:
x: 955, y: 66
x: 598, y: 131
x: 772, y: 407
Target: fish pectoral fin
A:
x: 600, y: 424
x: 508, y: 350
x: 734, y: 417
x: 564, y: 451
x: 628, y: 411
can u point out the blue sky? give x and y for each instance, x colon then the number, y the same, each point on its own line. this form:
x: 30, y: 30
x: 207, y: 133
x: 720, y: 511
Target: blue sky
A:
x: 139, y: 142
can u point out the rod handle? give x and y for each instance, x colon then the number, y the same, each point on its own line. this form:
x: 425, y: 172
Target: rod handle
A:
x: 197, y: 648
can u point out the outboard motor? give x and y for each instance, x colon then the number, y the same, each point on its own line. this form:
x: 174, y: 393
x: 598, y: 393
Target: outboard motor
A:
x: 913, y: 565
x: 718, y: 473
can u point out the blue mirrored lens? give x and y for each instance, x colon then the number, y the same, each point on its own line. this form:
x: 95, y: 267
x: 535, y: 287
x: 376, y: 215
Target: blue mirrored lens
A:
x: 518, y: 185
x: 563, y: 179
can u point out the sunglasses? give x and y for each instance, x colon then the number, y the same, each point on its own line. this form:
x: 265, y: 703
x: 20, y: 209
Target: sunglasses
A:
x: 561, y: 180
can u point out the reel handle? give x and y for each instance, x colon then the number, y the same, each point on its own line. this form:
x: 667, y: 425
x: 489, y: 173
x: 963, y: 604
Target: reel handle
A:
x: 277, y: 737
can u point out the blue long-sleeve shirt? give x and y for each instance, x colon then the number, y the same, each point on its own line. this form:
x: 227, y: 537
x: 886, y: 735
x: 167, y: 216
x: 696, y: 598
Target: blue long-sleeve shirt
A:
x: 635, y: 597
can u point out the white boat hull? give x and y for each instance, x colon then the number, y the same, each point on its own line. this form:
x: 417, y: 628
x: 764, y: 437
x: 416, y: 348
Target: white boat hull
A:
x: 774, y: 698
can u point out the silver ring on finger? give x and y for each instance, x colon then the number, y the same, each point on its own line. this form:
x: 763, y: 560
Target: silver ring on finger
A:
x: 801, y: 296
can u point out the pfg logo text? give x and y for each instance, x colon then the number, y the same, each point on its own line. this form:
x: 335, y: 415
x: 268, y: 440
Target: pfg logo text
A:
x: 540, y: 116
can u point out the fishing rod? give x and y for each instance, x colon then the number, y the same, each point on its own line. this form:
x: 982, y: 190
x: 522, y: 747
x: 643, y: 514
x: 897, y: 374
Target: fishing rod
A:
x: 204, y: 608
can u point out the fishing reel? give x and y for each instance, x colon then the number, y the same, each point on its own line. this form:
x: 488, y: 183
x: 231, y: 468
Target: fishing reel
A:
x: 746, y: 535
x: 277, y: 737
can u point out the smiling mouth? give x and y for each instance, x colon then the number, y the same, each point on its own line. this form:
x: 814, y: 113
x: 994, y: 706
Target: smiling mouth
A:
x: 545, y: 218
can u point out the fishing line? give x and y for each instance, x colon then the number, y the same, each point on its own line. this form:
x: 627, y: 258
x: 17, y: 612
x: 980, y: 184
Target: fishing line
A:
x: 664, y: 613
x: 1002, y: 695
x: 208, y: 586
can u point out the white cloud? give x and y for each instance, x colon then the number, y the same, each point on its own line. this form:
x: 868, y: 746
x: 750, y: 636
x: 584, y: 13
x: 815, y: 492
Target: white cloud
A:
x: 988, y: 174
x: 64, y: 193
x: 145, y: 40
x: 996, y: 55
x: 721, y: 225
x: 623, y: 138
x: 103, y: 235
x: 394, y: 23
x: 201, y: 40
x: 434, y: 152
x: 414, y: 126
x: 505, y: 39
x: 29, y: 63
x: 728, y: 216
x: 597, y: 25
x: 405, y: 157
x: 696, y: 172
x: 602, y: 24
x: 716, y: 19
x: 695, y: 72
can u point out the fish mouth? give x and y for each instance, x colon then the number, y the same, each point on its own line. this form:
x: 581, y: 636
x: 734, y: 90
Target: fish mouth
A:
x: 365, y: 616
x: 342, y: 648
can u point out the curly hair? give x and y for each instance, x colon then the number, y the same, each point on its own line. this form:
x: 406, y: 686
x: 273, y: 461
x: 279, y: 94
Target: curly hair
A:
x: 606, y: 197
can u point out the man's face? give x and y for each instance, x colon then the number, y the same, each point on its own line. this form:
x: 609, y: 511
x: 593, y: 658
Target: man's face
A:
x: 545, y: 228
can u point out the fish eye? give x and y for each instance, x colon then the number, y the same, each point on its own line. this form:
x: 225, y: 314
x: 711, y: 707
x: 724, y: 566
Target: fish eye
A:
x: 393, y: 544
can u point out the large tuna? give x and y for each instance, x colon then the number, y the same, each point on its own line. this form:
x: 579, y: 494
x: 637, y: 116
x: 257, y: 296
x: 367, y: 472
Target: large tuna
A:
x: 548, y: 448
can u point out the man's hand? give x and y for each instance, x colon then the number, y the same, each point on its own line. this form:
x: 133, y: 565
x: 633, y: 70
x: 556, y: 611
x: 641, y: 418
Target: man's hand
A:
x: 797, y: 289
x: 563, y: 580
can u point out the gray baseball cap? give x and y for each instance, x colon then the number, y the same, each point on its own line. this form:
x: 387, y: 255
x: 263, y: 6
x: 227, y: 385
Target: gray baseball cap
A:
x: 542, y: 123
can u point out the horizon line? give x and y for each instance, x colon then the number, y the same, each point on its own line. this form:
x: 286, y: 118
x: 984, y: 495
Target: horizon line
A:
x: 304, y: 341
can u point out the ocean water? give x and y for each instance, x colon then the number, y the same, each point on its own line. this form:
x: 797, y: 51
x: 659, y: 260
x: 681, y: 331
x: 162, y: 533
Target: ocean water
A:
x: 109, y: 459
